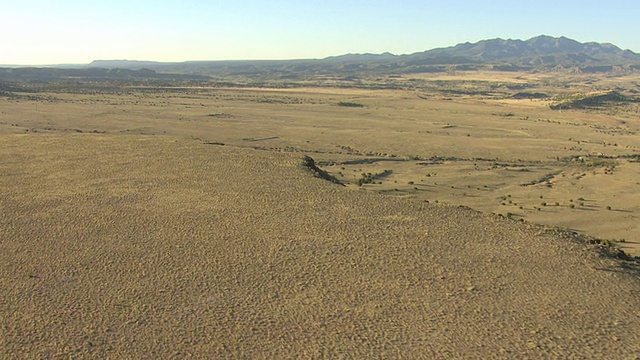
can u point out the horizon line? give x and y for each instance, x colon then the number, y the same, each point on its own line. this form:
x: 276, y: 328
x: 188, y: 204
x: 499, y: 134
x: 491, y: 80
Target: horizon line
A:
x: 302, y: 59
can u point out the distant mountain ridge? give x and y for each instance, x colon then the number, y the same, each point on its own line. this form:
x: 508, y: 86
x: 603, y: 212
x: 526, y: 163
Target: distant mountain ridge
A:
x: 539, y: 50
x: 538, y: 53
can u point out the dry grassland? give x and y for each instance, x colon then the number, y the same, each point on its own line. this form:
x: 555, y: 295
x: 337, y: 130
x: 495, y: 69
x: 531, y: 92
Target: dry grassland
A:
x: 116, y: 246
x: 458, y: 138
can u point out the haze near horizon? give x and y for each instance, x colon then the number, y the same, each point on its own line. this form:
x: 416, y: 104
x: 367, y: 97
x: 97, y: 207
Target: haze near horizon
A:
x: 74, y: 32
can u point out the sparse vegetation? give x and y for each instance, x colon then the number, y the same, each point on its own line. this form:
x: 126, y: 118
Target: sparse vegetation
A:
x: 592, y: 100
x: 261, y: 230
x: 370, y: 178
x: 350, y: 104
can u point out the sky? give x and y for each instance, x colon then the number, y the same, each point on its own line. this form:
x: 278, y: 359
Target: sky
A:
x: 46, y: 32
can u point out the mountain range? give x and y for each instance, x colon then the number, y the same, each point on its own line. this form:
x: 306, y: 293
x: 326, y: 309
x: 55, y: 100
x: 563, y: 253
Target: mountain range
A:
x: 538, y: 53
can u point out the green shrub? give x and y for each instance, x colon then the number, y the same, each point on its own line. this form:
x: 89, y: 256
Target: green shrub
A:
x: 350, y: 104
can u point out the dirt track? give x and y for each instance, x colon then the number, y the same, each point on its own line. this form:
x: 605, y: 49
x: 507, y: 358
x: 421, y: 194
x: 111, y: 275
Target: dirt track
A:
x: 141, y: 247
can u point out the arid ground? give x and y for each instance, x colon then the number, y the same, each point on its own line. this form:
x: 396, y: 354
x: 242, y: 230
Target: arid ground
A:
x: 487, y: 140
x: 174, y: 222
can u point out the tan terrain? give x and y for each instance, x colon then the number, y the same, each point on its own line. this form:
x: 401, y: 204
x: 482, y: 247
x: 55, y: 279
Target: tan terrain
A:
x: 464, y: 138
x: 117, y: 246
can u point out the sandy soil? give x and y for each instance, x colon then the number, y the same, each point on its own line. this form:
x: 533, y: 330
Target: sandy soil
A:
x: 493, y: 145
x: 158, y: 247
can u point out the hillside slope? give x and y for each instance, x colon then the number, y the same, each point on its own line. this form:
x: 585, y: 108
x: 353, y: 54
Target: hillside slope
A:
x: 131, y: 247
x: 538, y: 51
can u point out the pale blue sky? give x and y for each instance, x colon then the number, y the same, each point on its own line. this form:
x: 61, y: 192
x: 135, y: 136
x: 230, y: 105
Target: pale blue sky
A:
x: 68, y: 31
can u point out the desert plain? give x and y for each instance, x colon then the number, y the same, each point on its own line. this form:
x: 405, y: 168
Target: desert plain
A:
x: 473, y: 215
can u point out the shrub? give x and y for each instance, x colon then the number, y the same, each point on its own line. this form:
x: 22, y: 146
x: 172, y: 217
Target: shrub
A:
x: 350, y: 104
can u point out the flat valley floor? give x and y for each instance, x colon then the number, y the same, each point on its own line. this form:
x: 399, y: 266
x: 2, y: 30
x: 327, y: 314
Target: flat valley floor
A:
x: 471, y: 139
x: 184, y: 222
